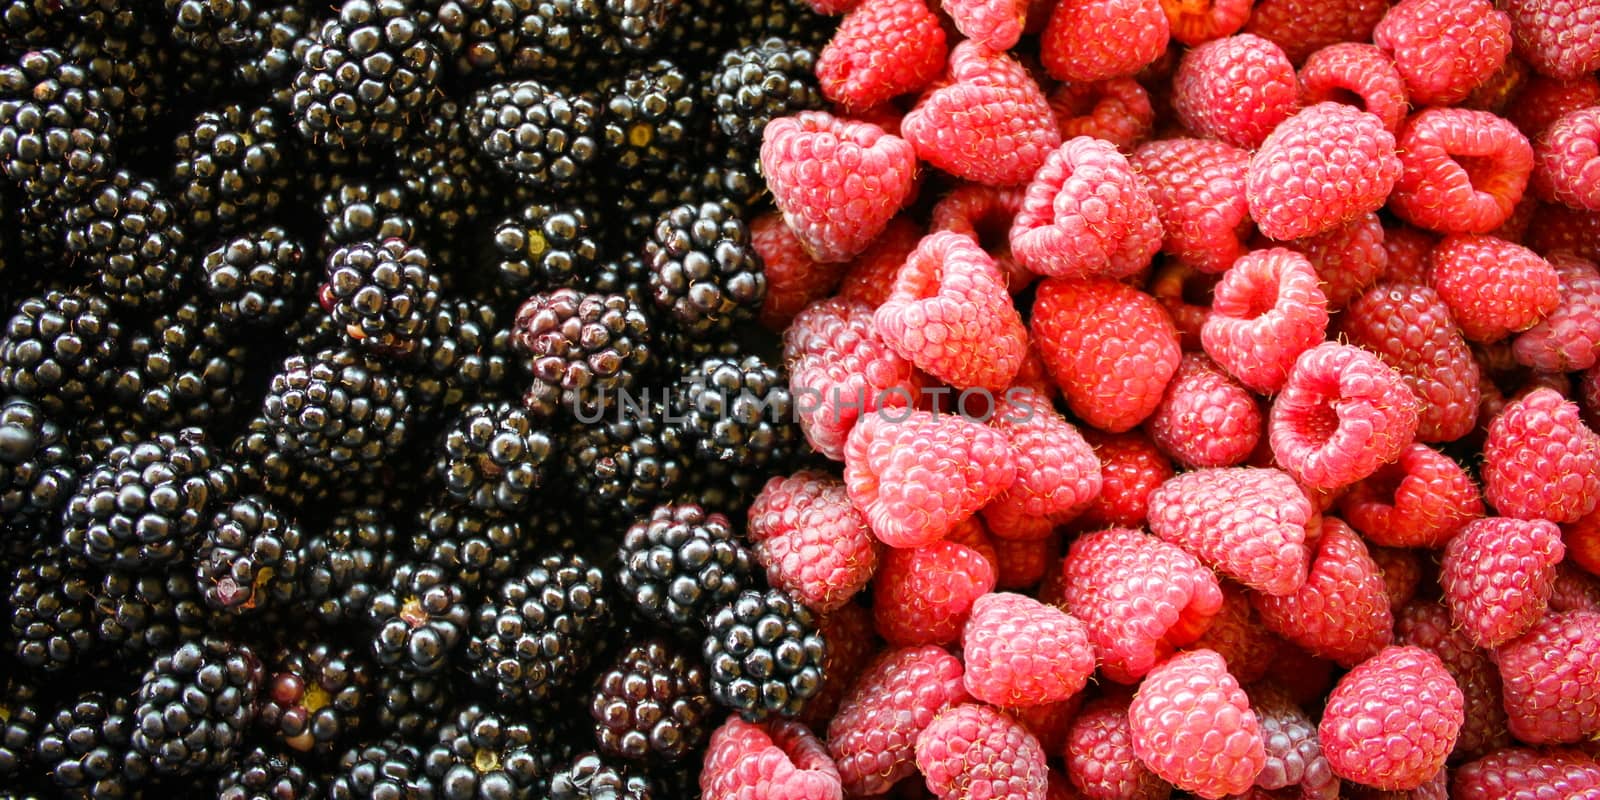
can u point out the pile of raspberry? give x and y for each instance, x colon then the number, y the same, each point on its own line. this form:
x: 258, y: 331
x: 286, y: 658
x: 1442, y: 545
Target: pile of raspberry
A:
x: 1205, y: 397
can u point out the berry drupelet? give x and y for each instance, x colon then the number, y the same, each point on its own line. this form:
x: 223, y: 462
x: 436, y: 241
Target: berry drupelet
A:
x: 411, y: 707
x: 139, y: 615
x: 651, y: 703
x: 365, y: 76
x: 55, y: 348
x: 764, y: 654
x: 381, y: 294
x: 255, y: 278
x: 195, y: 704
x: 535, y: 134
x: 590, y: 776
x: 22, y: 717
x: 757, y: 83
x: 585, y: 351
x: 338, y: 411
x: 127, y: 234
x: 86, y: 747
x: 537, y: 634
x: 622, y: 467
x: 356, y: 211
x: 232, y: 169
x: 315, y: 694
x: 483, y: 754
x: 386, y: 768
x: 184, y: 370
x: 520, y: 37
x: 52, y: 609
x: 249, y: 557
x: 682, y: 563
x: 265, y: 775
x: 474, y: 548
x: 652, y: 114
x: 546, y: 245
x: 464, y: 356
x: 419, y: 619
x: 704, y: 274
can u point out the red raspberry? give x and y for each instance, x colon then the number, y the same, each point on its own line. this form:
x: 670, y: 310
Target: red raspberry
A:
x: 1235, y: 89
x: 1192, y: 725
x: 1408, y: 248
x: 776, y: 759
x: 1194, y: 23
x: 984, y: 214
x: 1341, y: 612
x: 1247, y: 523
x: 1498, y: 90
x: 1198, y: 189
x: 990, y: 123
x: 1444, y: 48
x: 1558, y: 227
x: 1022, y: 563
x: 1582, y: 539
x: 1391, y: 721
x: 974, y: 752
x: 1326, y: 166
x: 1294, y: 756
x: 1086, y: 214
x: 1265, y: 312
x: 995, y: 24
x: 1341, y: 414
x: 873, y: 737
x: 923, y: 596
x: 1419, y: 500
x: 1568, y: 160
x: 1497, y: 574
x: 1141, y: 598
x: 839, y: 370
x: 1402, y: 573
x: 1302, y: 27
x: 1236, y: 634
x: 1093, y: 40
x: 1464, y: 170
x: 813, y: 543
x: 1021, y: 652
x: 1185, y: 293
x: 1099, y: 754
x: 1568, y: 340
x: 881, y: 49
x: 1559, y: 39
x: 1347, y: 259
x: 1428, y: 624
x: 1117, y: 110
x: 1033, y: 376
x: 1520, y: 773
x: 1207, y: 418
x: 838, y: 183
x: 1574, y: 589
x: 794, y: 279
x: 1540, y: 461
x: 1355, y: 71
x: 1543, y: 100
x: 1049, y: 722
x: 1551, y: 676
x: 852, y: 645
x: 1111, y: 348
x: 1131, y: 467
x: 1058, y: 474
x: 870, y: 277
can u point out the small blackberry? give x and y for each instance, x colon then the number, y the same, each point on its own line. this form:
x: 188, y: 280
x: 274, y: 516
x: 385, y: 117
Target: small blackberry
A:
x: 264, y: 468
x: 249, y: 557
x: 439, y: 167
x: 705, y: 276
x: 590, y: 776
x: 586, y: 351
x: 411, y: 707
x: 126, y: 234
x: 57, y: 127
x: 315, y: 694
x: 381, y: 294
x: 520, y: 37
x: 344, y: 561
x: 534, y: 134
x: 38, y: 468
x: 366, y: 76
x: 86, y: 747
x: 264, y: 775
x: 546, y: 245
x: 141, y: 614
x: 265, y: 55
x: 359, y: 211
x: 383, y: 770
x: 52, y: 609
x: 56, y: 347
x: 132, y: 69
x: 621, y: 468
x: 464, y: 357
x: 337, y: 411
x: 651, y: 703
x: 681, y: 563
x: 483, y: 755
x: 255, y: 278
x: 419, y: 619
x: 738, y: 413
x: 764, y: 654
x: 537, y: 634
x: 186, y: 370
x: 641, y: 25
x: 652, y: 114
x: 195, y: 704
x: 474, y: 548
x: 22, y: 716
x: 209, y: 25
x: 492, y: 457
x: 757, y: 83
x: 232, y: 169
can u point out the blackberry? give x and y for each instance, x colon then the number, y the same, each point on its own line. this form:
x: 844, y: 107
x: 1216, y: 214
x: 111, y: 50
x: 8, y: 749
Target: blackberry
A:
x: 641, y: 25
x: 590, y: 776
x: 651, y: 115
x: 764, y: 654
x: 651, y: 703
x: 127, y: 235
x: 338, y: 411
x: 366, y: 76
x: 585, y: 351
x: 519, y: 37
x: 232, y: 169
x: 681, y: 563
x: 623, y: 467
x: 139, y: 615
x: 315, y: 694
x: 390, y: 768
x: 738, y: 413
x: 209, y: 25
x: 195, y: 704
x: 381, y: 294
x: 473, y: 548
x: 757, y: 83
x: 626, y: 275
x: 682, y: 355
x: 249, y: 557
x: 186, y: 370
x: 464, y: 357
x: 705, y: 276
x: 344, y: 561
x: 546, y: 245
x: 535, y: 134
x: 52, y: 609
x: 492, y: 457
x: 264, y: 775
x: 419, y: 619
x: 730, y: 174
x: 483, y: 755
x: 132, y: 69
x: 38, y: 468
x: 86, y: 747
x: 57, y: 127
x: 439, y: 167
x: 22, y: 716
x: 265, y: 55
x: 791, y: 20
x: 411, y: 707
x: 536, y: 635
x: 55, y: 348
x: 37, y: 23
x: 255, y: 278
x: 264, y: 468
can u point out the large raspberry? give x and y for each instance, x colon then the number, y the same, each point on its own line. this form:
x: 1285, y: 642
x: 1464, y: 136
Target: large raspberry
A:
x: 1265, y: 312
x: 988, y: 122
x: 1521, y: 773
x: 1111, y: 348
x: 1021, y: 652
x: 881, y: 49
x: 923, y: 596
x: 781, y: 758
x: 1198, y: 186
x: 1551, y: 678
x: 1302, y: 27
x: 1444, y: 48
x: 1392, y: 720
x: 1558, y: 38
x: 840, y: 369
x: 1497, y: 574
x: 1058, y: 474
x: 1357, y: 69
x: 1540, y: 461
x: 1092, y: 40
x: 974, y: 752
x: 873, y: 737
x: 1086, y: 213
x: 813, y: 543
x: 1419, y: 500
x: 1192, y: 725
x: 1099, y: 754
x: 1462, y: 170
x: 1427, y: 624
x: 1325, y: 166
x: 1207, y: 418
x: 1247, y: 523
x: 1342, y: 611
x: 1341, y: 414
x: 1236, y: 89
x: 1568, y: 340
x: 1567, y: 169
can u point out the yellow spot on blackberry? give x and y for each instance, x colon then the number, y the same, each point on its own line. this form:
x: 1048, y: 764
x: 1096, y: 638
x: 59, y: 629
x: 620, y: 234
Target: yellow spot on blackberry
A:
x: 485, y: 760
x: 315, y: 698
x: 536, y: 244
x: 413, y: 613
x: 640, y: 135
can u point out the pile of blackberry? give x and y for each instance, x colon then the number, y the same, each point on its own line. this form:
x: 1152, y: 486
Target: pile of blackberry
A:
x: 381, y: 395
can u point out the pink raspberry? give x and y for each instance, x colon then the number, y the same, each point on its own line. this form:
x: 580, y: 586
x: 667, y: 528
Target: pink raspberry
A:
x: 1110, y: 347
x: 995, y: 24
x: 1247, y: 523
x: 1236, y: 634
x: 1207, y: 418
x: 1568, y: 340
x: 1567, y: 169
x: 1341, y: 414
x: 1463, y: 170
x: 1093, y: 40
x: 1021, y: 652
x: 988, y: 123
x: 1444, y: 48
x: 780, y: 758
x: 1236, y: 89
x: 1022, y: 563
x: 1198, y: 189
x: 1574, y: 589
x: 1497, y: 574
x: 869, y: 279
x: 1085, y: 214
x: 1521, y: 773
x: 1582, y: 539
x: 983, y: 214
x: 794, y: 279
x: 1131, y: 467
x: 873, y: 737
x: 1192, y: 725
x: 1141, y: 598
x: 1325, y: 166
x: 1428, y: 624
x: 923, y: 596
x: 881, y: 49
x: 1117, y: 110
x: 1408, y: 248
x: 1551, y: 676
x: 1342, y: 611
x: 1058, y: 474
x: 1194, y: 23
x: 838, y: 183
x: 1347, y: 259
x: 1360, y: 72
x: 1099, y: 754
x: 1302, y: 27
x: 1540, y: 461
x: 1294, y: 756
x: 1559, y: 39
x: 840, y: 369
x: 1265, y: 312
x: 813, y: 543
x: 974, y: 752
x: 1419, y: 500
x: 1391, y: 721
x: 1543, y: 100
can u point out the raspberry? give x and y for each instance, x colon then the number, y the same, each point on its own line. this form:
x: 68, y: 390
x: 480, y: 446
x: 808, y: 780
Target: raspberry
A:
x: 794, y: 279
x: 1574, y: 589
x: 923, y: 596
x: 1463, y: 170
x: 852, y: 646
x: 1540, y: 461
x: 1559, y: 39
x: 1185, y: 293
x: 1140, y: 597
x: 1247, y: 523
x: 995, y: 24
x: 1551, y: 677
x: 1419, y: 500
x: 1058, y: 474
x: 1427, y: 624
x: 1341, y: 612
x: 1022, y: 563
x: 1409, y: 327
x: 1444, y: 48
x: 1391, y: 721
x: 1582, y: 539
x: 1568, y: 160
x: 1093, y: 40
x: 1326, y: 166
x: 1355, y: 71
x: 1236, y: 89
x: 1131, y: 467
x: 813, y: 543
x: 983, y: 213
x: 1021, y: 652
x: 950, y: 315
x: 1495, y: 92
x: 777, y: 759
x: 873, y: 737
x: 1402, y: 573
x: 1198, y: 189
x: 1207, y: 418
x: 1497, y: 574
x: 972, y: 752
x: 1117, y: 110
x: 1302, y: 27
x: 881, y: 49
x: 840, y: 369
x: 1196, y: 23
x: 989, y: 123
x: 1265, y: 312
x: 1408, y: 248
x: 870, y: 276
x: 1520, y: 773
x: 1346, y: 259
x: 1289, y: 736
x: 1111, y: 348
x: 1558, y: 227
x: 1099, y: 754
x: 1568, y: 340
x: 1543, y: 100
x: 916, y: 477
x: 1085, y: 214
x: 1236, y: 634
x: 1341, y: 414
x: 1192, y: 725
x: 838, y: 183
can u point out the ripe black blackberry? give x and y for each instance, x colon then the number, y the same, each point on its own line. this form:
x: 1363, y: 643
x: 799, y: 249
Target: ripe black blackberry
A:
x: 621, y: 468
x: 474, y: 548
x: 57, y: 127
x: 764, y: 654
x: 389, y: 768
x: 591, y: 776
x: 492, y: 457
x: 651, y: 703
x: 39, y: 23
x: 232, y: 168
x: 626, y: 275
x: 265, y: 56
x: 126, y: 234
x: 255, y: 278
x: 38, y: 467
x: 538, y: 632
x: 682, y: 563
x: 792, y: 20
x: 731, y: 174
x: 411, y: 707
x: 536, y: 134
x: 195, y: 704
x: 543, y: 38
x: 209, y: 25
x: 248, y: 559
x: 546, y: 245
x: 585, y: 351
x: 366, y: 76
x: 757, y: 83
x: 419, y: 619
x: 52, y: 609
x: 464, y: 357
x: 56, y: 347
x: 357, y: 211
x: 133, y: 70
x: 441, y: 169
x: 264, y: 468
x: 138, y: 615
x: 483, y: 754
x: 264, y: 775
x: 641, y: 25
x: 185, y: 370
x: 338, y: 410
x: 22, y: 716
x: 382, y: 294
x: 738, y: 413
x: 344, y: 562
x: 316, y: 693
x: 86, y: 747
x: 652, y: 114
x: 705, y: 276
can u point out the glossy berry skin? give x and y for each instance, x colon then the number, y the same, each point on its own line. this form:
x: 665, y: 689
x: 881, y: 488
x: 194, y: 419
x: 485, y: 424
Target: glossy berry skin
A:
x: 1099, y: 753
x: 883, y: 48
x: 1551, y: 678
x: 1236, y: 89
x: 419, y: 621
x: 842, y: 371
x: 1325, y: 166
x: 1497, y: 575
x: 974, y: 751
x: 1207, y: 418
x: 1111, y: 348
x: 194, y: 705
x: 1392, y: 720
x: 812, y: 541
x: 1436, y: 191
x: 1444, y: 48
x: 1540, y: 461
x: 873, y: 737
x: 1192, y: 725
x: 1550, y: 36
x: 1565, y: 156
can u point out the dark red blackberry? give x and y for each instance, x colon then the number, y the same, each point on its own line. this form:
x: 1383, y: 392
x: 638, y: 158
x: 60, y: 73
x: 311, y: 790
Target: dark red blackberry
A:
x: 464, y: 357
x: 586, y: 351
x: 757, y: 83
x: 764, y: 654
x: 57, y: 127
x: 338, y: 411
x: 195, y: 704
x: 256, y: 278
x: 641, y: 25
x: 738, y: 413
x: 382, y: 294
x: 681, y: 563
x: 652, y: 114
x: 591, y: 776
x: 473, y: 548
x: 705, y: 276
x: 86, y: 747
x: 534, y: 134
x: 316, y: 694
x: 519, y: 37
x: 52, y: 609
x: 142, y: 614
x: 344, y: 562
x: 22, y: 715
x: 439, y: 167
x: 232, y: 169
x: 366, y: 77
x: 538, y: 632
x: 492, y: 456
x: 621, y: 468
x: 546, y: 245
x: 264, y: 775
x: 126, y: 233
x: 651, y: 703
x: 419, y: 619
x: 249, y: 557
x: 38, y: 468
x: 383, y: 770
x: 481, y: 754
x: 411, y: 707
x: 56, y: 347
x: 185, y: 370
